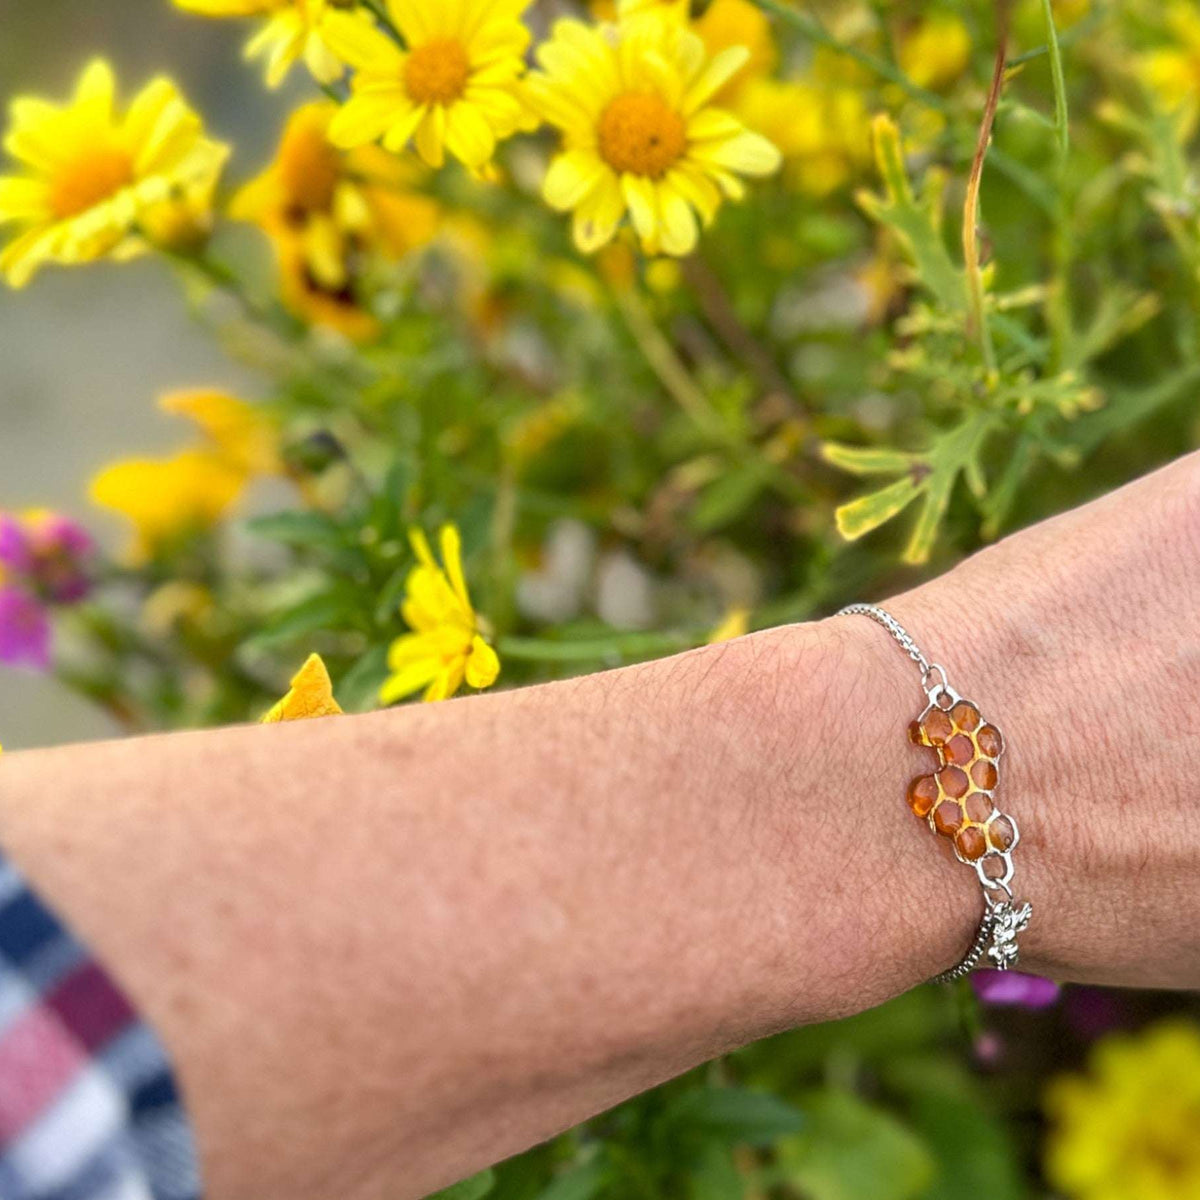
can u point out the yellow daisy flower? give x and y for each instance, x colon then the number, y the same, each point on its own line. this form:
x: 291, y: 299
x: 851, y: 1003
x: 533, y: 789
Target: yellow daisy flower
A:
x: 90, y: 175
x: 453, y: 86
x: 1128, y: 1128
x: 446, y: 646
x: 327, y: 211
x: 292, y: 30
x: 640, y: 132
x: 311, y: 695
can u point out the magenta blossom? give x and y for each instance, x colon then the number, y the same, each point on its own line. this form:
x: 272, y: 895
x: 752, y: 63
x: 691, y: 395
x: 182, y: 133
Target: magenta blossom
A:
x: 48, y: 553
x: 24, y: 629
x: 1014, y: 988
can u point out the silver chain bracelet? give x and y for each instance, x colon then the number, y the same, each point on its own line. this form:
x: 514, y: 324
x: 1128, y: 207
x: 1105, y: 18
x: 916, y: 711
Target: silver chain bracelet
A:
x: 957, y: 801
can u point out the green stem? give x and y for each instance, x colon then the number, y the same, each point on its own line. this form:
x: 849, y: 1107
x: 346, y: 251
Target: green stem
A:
x: 1079, y: 30
x: 603, y: 649
x: 1061, y: 129
x: 979, y: 321
x: 224, y: 279
x: 662, y: 359
x: 379, y: 10
x: 812, y: 29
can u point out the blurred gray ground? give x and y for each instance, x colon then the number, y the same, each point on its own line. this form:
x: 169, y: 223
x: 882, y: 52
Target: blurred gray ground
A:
x: 84, y: 352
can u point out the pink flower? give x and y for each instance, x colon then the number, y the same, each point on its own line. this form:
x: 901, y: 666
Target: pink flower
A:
x: 1014, y: 988
x: 48, y: 553
x: 24, y: 629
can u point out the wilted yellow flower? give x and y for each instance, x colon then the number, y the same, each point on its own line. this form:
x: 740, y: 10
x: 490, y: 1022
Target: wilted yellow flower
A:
x: 292, y: 30
x: 453, y: 86
x: 1127, y: 1129
x: 446, y: 645
x: 91, y: 176
x: 168, y: 498
x: 823, y: 131
x: 934, y: 51
x: 1173, y: 70
x: 311, y: 695
x: 640, y: 132
x: 326, y: 211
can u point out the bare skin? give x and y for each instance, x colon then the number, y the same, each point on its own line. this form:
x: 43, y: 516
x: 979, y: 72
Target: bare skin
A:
x: 387, y: 950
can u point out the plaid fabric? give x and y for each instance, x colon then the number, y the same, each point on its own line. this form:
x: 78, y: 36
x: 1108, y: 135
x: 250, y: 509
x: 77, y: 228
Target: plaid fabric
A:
x: 88, y: 1107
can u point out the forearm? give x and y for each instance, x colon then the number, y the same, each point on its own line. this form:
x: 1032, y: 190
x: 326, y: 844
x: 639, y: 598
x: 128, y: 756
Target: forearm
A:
x: 387, y: 950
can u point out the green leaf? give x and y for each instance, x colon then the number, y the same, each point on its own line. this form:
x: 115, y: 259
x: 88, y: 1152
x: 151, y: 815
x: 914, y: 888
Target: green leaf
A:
x: 358, y: 689
x: 580, y: 1182
x: 727, y: 498
x: 860, y: 516
x: 974, y: 1152
x: 852, y: 1150
x: 298, y: 529
x: 867, y: 460
x: 715, y: 1175
x: 328, y: 611
x: 739, y: 1115
x: 917, y: 225
x: 387, y: 603
x: 939, y: 487
x: 474, y: 1188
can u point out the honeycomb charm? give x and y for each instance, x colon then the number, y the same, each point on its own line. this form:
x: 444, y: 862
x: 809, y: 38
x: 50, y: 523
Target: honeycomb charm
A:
x: 957, y: 799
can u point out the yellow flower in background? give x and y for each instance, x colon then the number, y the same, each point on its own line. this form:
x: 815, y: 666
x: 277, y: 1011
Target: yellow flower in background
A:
x: 735, y: 624
x: 446, y: 646
x: 823, y: 131
x: 1173, y: 71
x: 624, y: 10
x: 166, y: 499
x: 1127, y: 1130
x: 91, y: 175
x: 640, y: 132
x: 185, y: 219
x: 311, y: 695
x: 934, y: 51
x: 452, y: 87
x: 241, y: 433
x: 292, y: 30
x: 726, y: 23
x: 327, y: 212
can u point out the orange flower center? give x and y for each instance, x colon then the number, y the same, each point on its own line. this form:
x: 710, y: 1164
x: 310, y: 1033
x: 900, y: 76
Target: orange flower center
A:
x: 437, y: 72
x: 92, y: 176
x: 642, y: 134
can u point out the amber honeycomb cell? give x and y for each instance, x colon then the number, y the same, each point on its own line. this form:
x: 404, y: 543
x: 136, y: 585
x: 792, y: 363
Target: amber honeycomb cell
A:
x: 956, y: 800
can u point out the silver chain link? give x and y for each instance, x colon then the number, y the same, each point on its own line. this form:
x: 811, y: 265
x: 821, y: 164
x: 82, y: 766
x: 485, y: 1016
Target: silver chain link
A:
x: 903, y: 638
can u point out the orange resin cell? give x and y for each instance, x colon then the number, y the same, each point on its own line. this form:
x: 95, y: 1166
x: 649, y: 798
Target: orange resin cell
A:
x: 956, y: 799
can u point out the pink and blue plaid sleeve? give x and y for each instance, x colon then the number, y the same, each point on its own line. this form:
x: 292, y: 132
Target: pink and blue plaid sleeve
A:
x: 89, y: 1109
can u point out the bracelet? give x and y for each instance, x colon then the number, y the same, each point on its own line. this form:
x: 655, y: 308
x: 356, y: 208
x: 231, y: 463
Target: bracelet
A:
x: 957, y: 801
